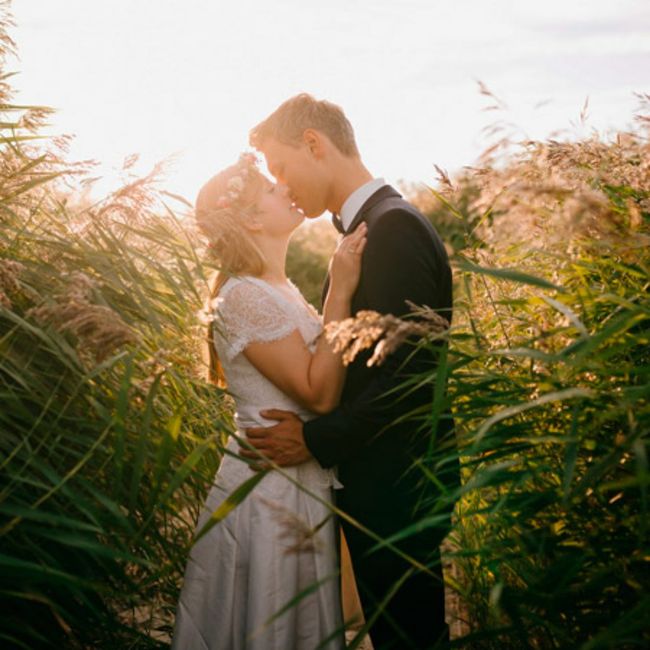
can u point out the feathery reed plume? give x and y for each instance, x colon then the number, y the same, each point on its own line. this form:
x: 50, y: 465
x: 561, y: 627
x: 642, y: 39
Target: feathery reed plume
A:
x: 100, y: 329
x: 301, y: 535
x: 385, y: 331
x: 557, y: 196
x: 10, y: 270
x: 446, y: 186
x: 136, y: 198
x: 644, y: 107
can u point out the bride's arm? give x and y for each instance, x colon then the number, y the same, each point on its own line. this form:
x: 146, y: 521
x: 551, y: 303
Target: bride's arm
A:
x: 315, y: 380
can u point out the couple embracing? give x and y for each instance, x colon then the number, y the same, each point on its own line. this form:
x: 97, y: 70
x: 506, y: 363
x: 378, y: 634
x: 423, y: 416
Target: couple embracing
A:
x: 268, y: 576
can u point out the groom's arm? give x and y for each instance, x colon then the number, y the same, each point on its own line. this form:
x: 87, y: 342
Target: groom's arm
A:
x: 400, y: 263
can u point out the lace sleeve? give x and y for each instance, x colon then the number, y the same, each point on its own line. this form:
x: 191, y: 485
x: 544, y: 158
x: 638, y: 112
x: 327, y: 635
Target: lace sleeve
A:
x: 247, y: 314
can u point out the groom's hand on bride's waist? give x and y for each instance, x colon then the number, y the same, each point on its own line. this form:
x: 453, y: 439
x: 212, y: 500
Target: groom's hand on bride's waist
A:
x: 281, y: 444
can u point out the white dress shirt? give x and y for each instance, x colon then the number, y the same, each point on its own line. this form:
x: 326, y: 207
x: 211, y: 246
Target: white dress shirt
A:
x: 354, y: 202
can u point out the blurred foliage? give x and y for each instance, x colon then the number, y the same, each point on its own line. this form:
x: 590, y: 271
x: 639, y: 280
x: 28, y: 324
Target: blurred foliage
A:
x: 308, y: 257
x: 455, y: 222
x: 109, y: 437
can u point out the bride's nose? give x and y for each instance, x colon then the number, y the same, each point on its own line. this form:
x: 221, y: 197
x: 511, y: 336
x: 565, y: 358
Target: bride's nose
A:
x: 284, y: 189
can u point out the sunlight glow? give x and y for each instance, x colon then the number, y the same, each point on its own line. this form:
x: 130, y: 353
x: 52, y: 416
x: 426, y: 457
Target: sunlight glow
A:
x: 163, y: 77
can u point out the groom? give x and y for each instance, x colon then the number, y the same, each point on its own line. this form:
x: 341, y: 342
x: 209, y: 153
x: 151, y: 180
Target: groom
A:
x: 309, y: 145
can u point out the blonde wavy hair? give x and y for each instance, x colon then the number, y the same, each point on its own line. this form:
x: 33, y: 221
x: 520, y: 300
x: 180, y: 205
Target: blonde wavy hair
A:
x: 290, y: 120
x: 230, y: 245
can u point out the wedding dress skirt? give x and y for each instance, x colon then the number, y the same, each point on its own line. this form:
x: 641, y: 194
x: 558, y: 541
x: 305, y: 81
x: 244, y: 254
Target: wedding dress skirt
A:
x: 267, y: 576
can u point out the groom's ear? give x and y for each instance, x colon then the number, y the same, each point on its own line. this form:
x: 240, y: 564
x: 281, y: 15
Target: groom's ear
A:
x: 314, y: 141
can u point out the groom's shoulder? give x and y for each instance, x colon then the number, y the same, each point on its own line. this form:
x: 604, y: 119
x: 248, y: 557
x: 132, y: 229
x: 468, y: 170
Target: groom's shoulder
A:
x: 394, y: 212
x: 396, y: 223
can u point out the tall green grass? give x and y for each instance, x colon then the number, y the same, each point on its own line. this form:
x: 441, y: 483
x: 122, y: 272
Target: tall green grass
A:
x: 549, y: 379
x: 109, y: 437
x: 552, y: 527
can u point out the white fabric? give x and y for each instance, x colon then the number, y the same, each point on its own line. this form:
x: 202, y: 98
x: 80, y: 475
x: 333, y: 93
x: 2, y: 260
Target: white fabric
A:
x: 244, y: 570
x: 353, y: 203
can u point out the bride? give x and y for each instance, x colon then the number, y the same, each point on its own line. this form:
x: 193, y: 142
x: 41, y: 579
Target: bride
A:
x: 267, y: 576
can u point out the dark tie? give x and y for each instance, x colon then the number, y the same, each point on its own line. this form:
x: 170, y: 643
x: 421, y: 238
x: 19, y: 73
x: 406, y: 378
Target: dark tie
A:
x: 338, y: 224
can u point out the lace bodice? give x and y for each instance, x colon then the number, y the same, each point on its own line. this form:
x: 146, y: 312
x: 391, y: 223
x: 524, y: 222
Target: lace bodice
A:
x: 250, y: 310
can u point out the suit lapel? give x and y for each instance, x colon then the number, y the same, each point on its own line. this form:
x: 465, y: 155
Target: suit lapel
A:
x: 382, y: 193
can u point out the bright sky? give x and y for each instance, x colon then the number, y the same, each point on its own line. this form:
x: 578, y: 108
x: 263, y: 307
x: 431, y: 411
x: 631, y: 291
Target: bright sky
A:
x: 190, y: 77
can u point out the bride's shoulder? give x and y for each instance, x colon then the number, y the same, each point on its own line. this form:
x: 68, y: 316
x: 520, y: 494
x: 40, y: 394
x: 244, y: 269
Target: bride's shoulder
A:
x: 244, y: 293
x: 246, y: 310
x: 233, y: 281
x: 239, y: 285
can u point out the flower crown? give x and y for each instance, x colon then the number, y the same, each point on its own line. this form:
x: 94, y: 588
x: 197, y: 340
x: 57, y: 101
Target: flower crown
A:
x: 247, y: 162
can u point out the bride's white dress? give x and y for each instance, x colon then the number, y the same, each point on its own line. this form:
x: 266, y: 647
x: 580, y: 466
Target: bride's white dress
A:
x: 265, y: 553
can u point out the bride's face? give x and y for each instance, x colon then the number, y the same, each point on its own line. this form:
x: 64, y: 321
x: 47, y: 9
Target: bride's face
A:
x: 297, y: 167
x: 276, y: 213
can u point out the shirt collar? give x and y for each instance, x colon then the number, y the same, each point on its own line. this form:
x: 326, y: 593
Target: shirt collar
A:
x: 353, y: 203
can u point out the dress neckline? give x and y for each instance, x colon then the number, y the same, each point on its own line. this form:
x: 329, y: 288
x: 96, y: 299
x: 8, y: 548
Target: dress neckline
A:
x: 297, y: 293
x: 266, y: 283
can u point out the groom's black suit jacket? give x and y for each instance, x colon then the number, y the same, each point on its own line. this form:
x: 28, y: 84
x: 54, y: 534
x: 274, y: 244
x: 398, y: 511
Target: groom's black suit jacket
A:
x: 404, y: 260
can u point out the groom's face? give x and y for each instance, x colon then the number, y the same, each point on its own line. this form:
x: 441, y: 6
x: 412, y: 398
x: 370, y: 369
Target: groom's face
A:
x: 298, y: 169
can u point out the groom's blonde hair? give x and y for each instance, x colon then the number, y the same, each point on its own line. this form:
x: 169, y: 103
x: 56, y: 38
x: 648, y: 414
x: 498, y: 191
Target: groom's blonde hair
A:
x: 290, y: 120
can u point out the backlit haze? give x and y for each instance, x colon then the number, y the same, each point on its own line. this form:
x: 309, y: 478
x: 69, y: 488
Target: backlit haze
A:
x: 190, y: 77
